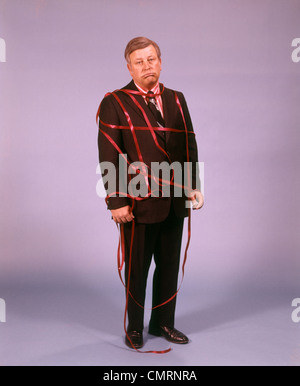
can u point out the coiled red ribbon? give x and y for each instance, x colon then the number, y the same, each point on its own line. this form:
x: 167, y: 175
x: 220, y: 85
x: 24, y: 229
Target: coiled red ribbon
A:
x: 121, y: 246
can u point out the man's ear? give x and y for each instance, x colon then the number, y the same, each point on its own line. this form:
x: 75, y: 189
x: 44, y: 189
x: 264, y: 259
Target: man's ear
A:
x: 129, y: 68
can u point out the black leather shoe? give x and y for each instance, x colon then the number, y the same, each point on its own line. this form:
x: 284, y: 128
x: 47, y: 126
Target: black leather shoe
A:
x: 136, y: 338
x: 171, y: 334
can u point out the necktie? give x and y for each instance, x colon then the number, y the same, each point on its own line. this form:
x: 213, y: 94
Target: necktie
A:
x: 154, y: 109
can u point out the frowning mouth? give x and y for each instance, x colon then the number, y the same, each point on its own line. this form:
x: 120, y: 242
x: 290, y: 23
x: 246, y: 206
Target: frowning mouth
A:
x: 148, y: 75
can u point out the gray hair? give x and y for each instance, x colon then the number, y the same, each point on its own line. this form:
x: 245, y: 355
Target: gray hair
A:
x: 138, y: 44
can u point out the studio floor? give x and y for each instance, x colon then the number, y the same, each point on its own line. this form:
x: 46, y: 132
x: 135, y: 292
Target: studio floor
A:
x: 79, y: 327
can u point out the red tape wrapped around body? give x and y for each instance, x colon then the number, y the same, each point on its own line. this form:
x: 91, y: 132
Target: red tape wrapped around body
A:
x: 159, y: 181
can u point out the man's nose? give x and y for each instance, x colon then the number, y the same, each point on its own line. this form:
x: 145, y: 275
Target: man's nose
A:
x: 146, y: 65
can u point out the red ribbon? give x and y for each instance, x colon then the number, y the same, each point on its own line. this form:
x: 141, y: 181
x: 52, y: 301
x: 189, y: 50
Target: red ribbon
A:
x: 121, y: 246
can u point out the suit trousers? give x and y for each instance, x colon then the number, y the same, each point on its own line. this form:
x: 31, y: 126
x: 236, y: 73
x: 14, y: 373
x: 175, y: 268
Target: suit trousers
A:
x: 163, y: 242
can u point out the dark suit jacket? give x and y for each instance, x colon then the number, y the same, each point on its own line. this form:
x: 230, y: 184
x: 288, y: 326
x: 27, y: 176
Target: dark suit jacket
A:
x: 152, y: 209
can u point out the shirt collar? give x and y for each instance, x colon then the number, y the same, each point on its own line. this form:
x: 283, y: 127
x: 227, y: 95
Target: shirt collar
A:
x: 155, y: 89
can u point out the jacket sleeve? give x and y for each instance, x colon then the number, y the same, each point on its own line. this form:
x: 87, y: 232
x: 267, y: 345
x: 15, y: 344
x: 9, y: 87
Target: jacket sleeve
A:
x: 192, y: 144
x: 108, y: 153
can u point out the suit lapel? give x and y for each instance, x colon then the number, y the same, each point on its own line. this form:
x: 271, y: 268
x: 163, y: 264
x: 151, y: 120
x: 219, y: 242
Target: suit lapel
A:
x: 141, y: 101
x: 167, y: 99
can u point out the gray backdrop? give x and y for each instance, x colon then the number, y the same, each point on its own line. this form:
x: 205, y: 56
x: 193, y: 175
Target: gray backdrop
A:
x: 232, y: 60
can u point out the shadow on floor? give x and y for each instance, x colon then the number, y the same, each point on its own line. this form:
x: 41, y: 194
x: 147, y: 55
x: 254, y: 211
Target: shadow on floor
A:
x: 103, y: 309
x: 226, y: 309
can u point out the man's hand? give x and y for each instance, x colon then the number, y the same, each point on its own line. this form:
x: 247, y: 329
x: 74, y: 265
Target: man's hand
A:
x: 197, y: 199
x: 122, y: 215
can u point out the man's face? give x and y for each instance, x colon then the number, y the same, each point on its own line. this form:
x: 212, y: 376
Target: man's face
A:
x: 145, y: 67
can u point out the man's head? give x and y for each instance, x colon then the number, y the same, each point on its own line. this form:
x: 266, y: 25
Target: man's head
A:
x: 143, y: 62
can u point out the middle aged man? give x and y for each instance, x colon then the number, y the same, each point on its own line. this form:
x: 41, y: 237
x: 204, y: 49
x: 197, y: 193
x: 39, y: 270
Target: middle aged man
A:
x: 148, y: 127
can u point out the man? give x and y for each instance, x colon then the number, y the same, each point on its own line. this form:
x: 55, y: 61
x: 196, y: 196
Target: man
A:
x: 148, y: 123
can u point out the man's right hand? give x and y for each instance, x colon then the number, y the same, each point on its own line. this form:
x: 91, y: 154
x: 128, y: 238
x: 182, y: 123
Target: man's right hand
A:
x: 122, y: 215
